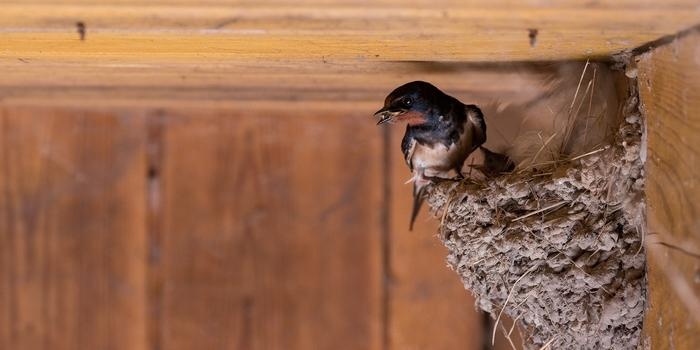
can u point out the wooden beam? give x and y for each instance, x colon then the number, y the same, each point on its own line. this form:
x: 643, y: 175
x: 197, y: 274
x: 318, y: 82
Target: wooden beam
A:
x: 301, y: 84
x: 669, y: 79
x: 183, y: 51
x: 187, y: 31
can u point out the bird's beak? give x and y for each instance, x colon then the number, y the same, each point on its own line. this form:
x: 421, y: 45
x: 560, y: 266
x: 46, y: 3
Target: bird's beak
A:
x: 386, y: 114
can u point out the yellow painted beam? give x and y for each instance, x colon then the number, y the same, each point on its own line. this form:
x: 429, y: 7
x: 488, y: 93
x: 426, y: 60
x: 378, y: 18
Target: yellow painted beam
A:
x: 307, y: 49
x: 389, y: 30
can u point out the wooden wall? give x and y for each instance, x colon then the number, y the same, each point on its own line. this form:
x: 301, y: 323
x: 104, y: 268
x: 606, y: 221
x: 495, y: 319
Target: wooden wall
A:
x: 129, y: 228
x: 669, y: 78
x: 73, y: 239
x: 146, y: 223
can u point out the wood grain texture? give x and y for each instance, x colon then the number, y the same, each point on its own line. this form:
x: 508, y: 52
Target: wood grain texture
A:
x: 159, y: 52
x: 669, y: 79
x: 273, y: 231
x: 250, y: 85
x: 72, y: 234
x: 390, y: 30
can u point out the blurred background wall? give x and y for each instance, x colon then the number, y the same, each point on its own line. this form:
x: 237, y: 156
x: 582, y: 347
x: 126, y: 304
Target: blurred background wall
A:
x: 215, y: 229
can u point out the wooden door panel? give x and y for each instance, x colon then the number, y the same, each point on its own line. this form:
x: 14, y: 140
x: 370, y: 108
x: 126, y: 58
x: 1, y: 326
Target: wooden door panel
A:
x: 271, y: 231
x: 71, y: 230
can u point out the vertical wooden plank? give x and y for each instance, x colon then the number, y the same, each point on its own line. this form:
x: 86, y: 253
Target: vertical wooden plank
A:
x: 72, y: 230
x: 272, y: 231
x: 669, y: 79
x: 429, y: 308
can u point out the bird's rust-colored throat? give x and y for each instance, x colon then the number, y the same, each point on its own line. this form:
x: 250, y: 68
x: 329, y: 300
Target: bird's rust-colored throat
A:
x: 412, y: 118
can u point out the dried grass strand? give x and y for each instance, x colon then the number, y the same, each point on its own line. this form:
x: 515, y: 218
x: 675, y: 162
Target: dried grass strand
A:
x: 547, y: 344
x: 510, y: 294
x: 580, y: 81
x: 555, y: 205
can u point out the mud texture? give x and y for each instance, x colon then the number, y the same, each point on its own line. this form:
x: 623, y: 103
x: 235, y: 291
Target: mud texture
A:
x: 557, y: 248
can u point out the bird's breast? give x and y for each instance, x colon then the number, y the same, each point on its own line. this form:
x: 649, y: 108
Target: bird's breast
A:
x: 439, y: 157
x: 432, y: 156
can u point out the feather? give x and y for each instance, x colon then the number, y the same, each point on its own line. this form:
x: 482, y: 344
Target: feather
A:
x: 418, y: 196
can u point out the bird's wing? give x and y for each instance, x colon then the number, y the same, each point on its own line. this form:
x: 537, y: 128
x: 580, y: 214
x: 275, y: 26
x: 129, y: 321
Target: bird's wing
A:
x: 408, y: 146
x: 418, y: 196
x: 476, y: 118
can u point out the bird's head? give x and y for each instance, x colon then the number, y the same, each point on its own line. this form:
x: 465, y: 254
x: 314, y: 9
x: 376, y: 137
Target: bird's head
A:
x: 415, y: 103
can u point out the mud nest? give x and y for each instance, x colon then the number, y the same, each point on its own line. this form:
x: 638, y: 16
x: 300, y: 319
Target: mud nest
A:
x: 559, y: 248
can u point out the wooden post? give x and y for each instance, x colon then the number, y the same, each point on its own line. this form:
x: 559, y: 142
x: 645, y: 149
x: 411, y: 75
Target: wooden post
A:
x: 669, y: 80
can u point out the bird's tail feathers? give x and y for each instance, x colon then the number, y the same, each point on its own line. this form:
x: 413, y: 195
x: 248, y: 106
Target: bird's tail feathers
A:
x: 418, y: 196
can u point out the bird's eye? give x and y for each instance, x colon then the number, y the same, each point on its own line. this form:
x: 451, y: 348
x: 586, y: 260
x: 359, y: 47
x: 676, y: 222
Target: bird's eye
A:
x: 407, y: 101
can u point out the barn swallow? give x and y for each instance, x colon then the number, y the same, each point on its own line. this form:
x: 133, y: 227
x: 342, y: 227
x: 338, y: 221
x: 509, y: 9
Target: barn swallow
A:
x: 494, y: 164
x: 441, y: 133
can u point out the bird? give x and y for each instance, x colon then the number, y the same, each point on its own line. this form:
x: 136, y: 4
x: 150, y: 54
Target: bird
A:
x: 441, y: 132
x: 494, y: 164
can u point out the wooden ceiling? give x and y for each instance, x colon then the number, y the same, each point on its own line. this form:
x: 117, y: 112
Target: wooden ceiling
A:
x: 302, y: 49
